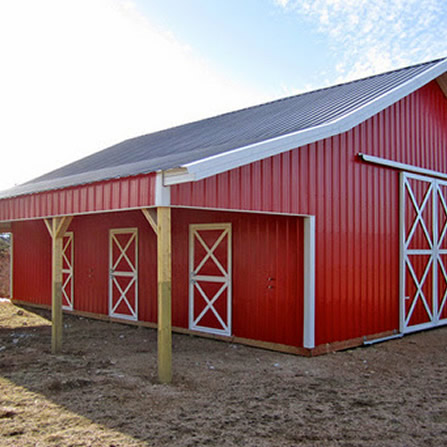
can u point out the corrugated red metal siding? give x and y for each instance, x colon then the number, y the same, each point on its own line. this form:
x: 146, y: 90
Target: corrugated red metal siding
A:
x: 263, y: 247
x: 356, y: 207
x: 32, y: 262
x: 91, y: 260
x: 129, y: 192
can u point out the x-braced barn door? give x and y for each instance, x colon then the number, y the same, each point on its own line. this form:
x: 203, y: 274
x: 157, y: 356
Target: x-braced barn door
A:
x: 210, y: 278
x: 123, y: 280
x: 423, y: 228
x: 67, y: 271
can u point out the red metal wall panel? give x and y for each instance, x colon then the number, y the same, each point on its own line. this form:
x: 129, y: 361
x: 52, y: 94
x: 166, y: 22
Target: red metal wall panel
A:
x: 356, y: 207
x: 263, y: 247
x: 129, y: 192
x: 32, y: 262
x: 91, y: 261
x: 357, y: 233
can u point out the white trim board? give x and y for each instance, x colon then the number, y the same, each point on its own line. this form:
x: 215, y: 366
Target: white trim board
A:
x: 401, y: 166
x: 235, y: 158
x: 309, y: 283
x: 162, y: 192
x: 137, y: 208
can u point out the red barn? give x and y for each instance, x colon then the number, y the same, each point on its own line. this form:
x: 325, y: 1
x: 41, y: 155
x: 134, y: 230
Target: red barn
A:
x: 307, y: 224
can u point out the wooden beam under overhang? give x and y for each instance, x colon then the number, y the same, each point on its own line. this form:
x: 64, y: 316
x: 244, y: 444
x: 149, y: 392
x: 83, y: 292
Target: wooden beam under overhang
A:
x: 151, y: 216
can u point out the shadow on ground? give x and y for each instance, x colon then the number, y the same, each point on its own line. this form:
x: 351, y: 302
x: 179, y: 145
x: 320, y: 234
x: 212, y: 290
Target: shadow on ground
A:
x: 102, y: 390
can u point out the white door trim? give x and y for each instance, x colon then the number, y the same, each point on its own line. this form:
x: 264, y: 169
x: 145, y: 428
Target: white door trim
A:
x: 68, y: 242
x: 434, y: 238
x: 113, y: 273
x: 309, y: 283
x: 225, y: 279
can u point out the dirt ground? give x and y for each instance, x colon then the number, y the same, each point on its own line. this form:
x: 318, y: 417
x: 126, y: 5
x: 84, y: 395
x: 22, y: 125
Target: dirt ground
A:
x: 102, y: 391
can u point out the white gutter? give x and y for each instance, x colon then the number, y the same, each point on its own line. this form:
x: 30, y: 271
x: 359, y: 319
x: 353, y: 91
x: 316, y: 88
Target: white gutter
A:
x: 216, y: 164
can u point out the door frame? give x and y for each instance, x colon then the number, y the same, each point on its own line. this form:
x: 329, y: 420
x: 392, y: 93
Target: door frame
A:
x: 69, y: 270
x: 225, y: 279
x: 435, y: 262
x: 112, y: 271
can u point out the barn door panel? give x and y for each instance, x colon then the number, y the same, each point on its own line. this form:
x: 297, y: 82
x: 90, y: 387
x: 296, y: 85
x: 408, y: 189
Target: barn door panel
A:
x: 210, y: 278
x: 123, y: 275
x: 67, y: 271
x: 423, y: 252
x: 441, y: 252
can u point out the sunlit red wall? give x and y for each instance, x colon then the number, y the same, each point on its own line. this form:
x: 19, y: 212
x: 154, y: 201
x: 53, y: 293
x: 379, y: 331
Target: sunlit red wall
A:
x: 356, y: 207
x: 121, y: 193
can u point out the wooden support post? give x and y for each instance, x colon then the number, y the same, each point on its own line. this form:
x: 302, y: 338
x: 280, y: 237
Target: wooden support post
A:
x: 164, y: 295
x: 56, y: 297
x: 59, y: 226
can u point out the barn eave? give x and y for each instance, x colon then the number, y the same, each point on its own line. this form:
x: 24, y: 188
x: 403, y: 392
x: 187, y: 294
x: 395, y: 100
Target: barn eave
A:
x: 216, y: 164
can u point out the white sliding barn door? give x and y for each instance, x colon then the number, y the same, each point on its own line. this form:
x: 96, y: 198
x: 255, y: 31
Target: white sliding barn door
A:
x: 423, y: 282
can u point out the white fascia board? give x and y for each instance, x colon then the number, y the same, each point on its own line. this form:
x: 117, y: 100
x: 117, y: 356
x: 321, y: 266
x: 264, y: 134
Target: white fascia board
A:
x: 216, y: 164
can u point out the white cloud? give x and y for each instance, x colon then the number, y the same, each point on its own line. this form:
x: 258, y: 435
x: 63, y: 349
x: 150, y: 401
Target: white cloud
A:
x: 282, y: 3
x: 77, y: 76
x: 372, y: 36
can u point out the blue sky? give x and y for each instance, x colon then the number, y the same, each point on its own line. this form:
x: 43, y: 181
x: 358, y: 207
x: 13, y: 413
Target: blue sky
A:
x: 256, y: 41
x: 80, y: 75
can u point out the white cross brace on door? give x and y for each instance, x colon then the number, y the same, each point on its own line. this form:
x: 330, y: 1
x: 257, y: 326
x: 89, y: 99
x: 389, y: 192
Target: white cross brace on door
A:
x: 199, y: 282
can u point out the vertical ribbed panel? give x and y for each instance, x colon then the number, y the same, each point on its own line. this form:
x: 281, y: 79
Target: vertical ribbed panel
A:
x: 356, y: 207
x: 91, y: 271
x: 129, y: 192
x: 357, y: 230
x: 266, y: 256
x: 32, y: 262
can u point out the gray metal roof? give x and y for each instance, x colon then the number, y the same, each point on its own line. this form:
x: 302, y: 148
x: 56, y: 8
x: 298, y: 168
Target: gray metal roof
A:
x: 175, y: 147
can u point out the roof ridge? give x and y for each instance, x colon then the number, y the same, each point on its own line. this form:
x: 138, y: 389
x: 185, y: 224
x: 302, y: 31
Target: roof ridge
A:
x: 286, y: 98
x: 330, y: 87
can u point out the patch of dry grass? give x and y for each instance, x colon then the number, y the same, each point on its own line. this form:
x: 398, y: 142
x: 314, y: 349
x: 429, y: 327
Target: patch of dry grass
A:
x: 29, y: 419
x: 13, y: 317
